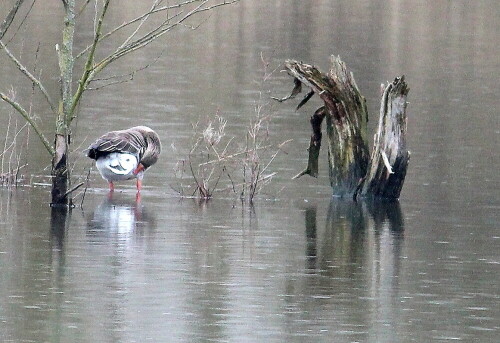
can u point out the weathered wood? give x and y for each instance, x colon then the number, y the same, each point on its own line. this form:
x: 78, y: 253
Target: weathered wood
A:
x: 346, y: 122
x: 60, y: 174
x: 60, y: 159
x: 315, y: 144
x: 352, y: 170
x: 390, y: 156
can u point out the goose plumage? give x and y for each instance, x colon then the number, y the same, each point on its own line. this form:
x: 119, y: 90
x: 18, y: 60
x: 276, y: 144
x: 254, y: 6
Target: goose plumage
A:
x: 125, y: 154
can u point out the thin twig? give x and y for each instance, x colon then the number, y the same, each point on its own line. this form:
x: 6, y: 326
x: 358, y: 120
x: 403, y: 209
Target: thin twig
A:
x: 6, y: 148
x: 84, y: 6
x: 157, y: 32
x: 229, y: 157
x: 130, y: 76
x: 30, y: 120
x: 9, y: 18
x: 73, y: 189
x: 135, y: 20
x: 21, y: 23
x: 142, y: 21
x: 33, y: 79
x: 86, y: 187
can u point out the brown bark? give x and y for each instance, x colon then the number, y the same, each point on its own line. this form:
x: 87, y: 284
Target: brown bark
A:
x: 60, y: 175
x: 390, y: 156
x: 315, y: 143
x: 346, y: 118
x: 351, y: 169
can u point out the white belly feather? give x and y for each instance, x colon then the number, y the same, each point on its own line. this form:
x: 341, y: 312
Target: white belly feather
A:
x: 117, y: 166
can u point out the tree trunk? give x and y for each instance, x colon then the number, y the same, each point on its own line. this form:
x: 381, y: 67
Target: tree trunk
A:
x: 351, y: 169
x: 60, y: 174
x: 60, y: 171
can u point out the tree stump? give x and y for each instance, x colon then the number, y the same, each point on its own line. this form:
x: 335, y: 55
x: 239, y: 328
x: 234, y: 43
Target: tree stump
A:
x: 352, y: 170
x: 390, y: 156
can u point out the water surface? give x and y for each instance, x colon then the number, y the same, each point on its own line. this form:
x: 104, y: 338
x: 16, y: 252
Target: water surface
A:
x: 299, y: 266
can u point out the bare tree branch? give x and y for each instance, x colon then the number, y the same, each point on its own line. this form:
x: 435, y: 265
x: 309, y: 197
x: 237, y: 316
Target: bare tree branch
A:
x: 21, y: 22
x: 10, y: 17
x: 147, y: 38
x: 30, y: 120
x: 117, y: 79
x: 87, y: 74
x: 92, y: 69
x: 159, y: 30
x: 13, y: 139
x: 143, y: 20
x: 84, y: 6
x: 30, y: 76
x: 139, y: 18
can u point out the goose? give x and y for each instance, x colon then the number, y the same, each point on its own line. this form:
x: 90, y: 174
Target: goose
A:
x: 125, y: 154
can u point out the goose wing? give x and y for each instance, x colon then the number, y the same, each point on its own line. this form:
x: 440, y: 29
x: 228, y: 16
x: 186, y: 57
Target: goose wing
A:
x: 126, y: 141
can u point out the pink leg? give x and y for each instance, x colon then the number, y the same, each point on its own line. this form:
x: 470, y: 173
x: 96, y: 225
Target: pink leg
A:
x: 111, y: 186
x: 139, y: 185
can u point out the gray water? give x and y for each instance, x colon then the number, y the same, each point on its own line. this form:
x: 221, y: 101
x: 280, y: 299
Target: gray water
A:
x: 298, y: 266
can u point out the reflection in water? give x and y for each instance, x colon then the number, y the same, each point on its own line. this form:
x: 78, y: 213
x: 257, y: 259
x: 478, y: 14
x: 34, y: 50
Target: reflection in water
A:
x: 114, y: 231
x: 357, y: 273
x: 115, y: 234
x: 118, y: 216
x: 353, y: 262
x: 60, y: 217
x: 60, y: 220
x: 311, y: 233
x: 349, y: 227
x: 208, y: 291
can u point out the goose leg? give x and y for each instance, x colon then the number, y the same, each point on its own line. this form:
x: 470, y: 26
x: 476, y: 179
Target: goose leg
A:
x: 138, y: 194
x: 111, y: 186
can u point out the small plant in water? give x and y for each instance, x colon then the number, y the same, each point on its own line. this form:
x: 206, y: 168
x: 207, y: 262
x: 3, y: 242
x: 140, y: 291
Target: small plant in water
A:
x: 209, y: 156
x: 13, y: 154
x: 214, y: 156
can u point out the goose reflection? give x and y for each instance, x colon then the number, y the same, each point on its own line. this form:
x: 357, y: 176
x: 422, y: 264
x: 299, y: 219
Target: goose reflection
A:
x: 121, y: 217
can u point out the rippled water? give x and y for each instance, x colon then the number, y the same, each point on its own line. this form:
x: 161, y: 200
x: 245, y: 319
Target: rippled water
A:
x: 299, y: 266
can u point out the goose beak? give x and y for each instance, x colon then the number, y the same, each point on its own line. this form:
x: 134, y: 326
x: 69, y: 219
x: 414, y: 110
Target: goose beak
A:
x: 139, y: 169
